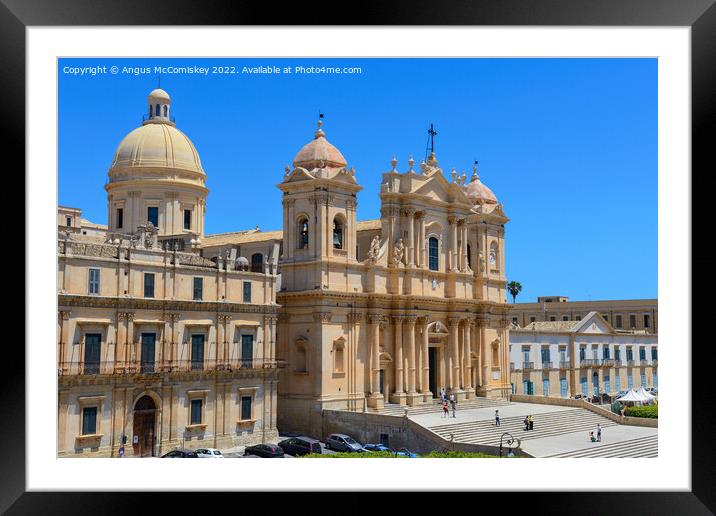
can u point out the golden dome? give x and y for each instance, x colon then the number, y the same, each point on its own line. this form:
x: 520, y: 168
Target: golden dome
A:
x: 157, y: 145
x: 319, y: 150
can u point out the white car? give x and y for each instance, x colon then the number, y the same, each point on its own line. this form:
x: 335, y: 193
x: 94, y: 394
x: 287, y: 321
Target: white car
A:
x: 209, y: 453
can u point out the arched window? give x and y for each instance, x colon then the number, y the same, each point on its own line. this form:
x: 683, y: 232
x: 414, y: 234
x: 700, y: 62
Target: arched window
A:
x: 165, y: 111
x: 156, y: 110
x: 302, y: 233
x: 257, y: 262
x: 494, y: 256
x: 338, y: 358
x: 433, y: 261
x: 337, y: 233
x: 469, y: 256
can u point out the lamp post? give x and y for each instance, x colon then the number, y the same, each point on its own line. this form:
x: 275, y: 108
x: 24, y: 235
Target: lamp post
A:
x: 510, y: 441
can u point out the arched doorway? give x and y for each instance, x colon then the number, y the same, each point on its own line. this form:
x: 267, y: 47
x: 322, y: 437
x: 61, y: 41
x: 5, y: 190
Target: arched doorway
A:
x: 145, y: 412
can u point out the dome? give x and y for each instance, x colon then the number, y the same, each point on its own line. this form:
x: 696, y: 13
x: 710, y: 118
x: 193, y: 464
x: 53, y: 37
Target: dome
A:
x: 317, y: 150
x: 157, y: 145
x: 478, y: 192
x: 159, y: 94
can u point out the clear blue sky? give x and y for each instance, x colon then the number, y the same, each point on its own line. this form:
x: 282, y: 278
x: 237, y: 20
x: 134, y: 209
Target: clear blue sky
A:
x: 568, y: 145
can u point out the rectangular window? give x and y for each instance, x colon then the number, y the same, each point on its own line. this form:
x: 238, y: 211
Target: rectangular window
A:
x: 94, y: 281
x: 552, y: 318
x: 187, y: 219
x: 654, y: 355
x: 607, y: 384
x: 630, y: 382
x: 532, y: 318
x: 93, y: 343
x: 632, y: 322
x: 148, y: 352
x: 545, y: 387
x: 247, y: 350
x: 605, y: 352
x: 563, y: 387
x: 153, y: 215
x: 579, y: 317
x: 545, y: 355
x: 656, y: 381
x: 89, y: 420
x: 630, y: 355
x: 197, y: 352
x: 642, y: 354
x: 514, y: 320
x: 618, y: 321
x: 198, y: 288
x: 68, y: 220
x: 582, y: 354
x: 565, y: 318
x: 247, y: 291
x: 643, y: 379
x: 196, y: 412
x: 148, y: 284
x: 433, y: 254
x: 585, y: 388
x: 647, y: 321
x: 617, y: 354
x: 120, y: 218
x: 246, y: 407
x: 618, y: 382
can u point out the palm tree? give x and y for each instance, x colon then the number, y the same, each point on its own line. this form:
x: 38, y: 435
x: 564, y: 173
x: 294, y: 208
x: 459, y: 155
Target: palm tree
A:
x: 515, y: 288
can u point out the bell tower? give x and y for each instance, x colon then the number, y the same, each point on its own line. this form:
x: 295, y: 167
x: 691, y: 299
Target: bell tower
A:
x: 319, y: 216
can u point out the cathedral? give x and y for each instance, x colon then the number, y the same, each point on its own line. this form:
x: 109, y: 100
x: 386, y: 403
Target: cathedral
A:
x: 168, y: 336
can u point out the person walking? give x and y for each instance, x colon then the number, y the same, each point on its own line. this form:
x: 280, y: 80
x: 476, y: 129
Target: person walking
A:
x: 443, y: 396
x: 445, y: 409
x: 531, y: 422
x: 526, y: 421
x: 497, y: 418
x: 453, y: 404
x: 599, y: 433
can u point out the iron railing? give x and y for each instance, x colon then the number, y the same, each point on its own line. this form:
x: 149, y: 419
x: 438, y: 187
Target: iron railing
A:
x: 589, y: 362
x: 564, y: 364
x: 113, y: 367
x: 546, y: 365
x: 528, y: 365
x: 631, y: 363
x: 608, y: 362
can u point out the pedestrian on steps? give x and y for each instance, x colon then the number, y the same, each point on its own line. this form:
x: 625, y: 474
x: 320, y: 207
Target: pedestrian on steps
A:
x: 599, y: 432
x: 526, y: 421
x: 531, y: 422
x: 445, y: 409
x: 497, y: 418
x: 453, y: 404
x: 443, y: 396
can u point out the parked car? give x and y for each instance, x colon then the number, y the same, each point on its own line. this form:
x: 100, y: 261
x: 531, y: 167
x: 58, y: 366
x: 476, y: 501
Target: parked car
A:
x: 381, y: 447
x: 344, y: 443
x: 300, y: 445
x: 579, y: 396
x: 209, y: 453
x: 266, y: 451
x: 180, y: 454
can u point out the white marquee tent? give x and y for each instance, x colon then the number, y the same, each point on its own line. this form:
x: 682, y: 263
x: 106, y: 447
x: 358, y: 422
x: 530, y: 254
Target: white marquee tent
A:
x: 633, y: 397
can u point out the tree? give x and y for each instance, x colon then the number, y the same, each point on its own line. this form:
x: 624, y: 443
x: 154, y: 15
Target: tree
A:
x: 514, y: 288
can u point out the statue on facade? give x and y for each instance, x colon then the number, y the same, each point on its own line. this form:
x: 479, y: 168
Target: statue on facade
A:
x: 374, y: 249
x: 398, y: 252
x: 482, y: 262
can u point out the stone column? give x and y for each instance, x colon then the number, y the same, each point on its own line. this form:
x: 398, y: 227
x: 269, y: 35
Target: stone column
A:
x: 486, y: 356
x: 425, y: 383
x: 376, y: 397
x: 421, y: 241
x: 454, y: 362
x: 409, y: 216
x: 410, y: 341
x: 463, y: 266
x: 467, y: 382
x: 398, y: 358
x: 452, y: 248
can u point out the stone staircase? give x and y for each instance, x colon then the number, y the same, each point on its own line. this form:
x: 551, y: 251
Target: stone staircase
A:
x: 393, y: 409
x: 635, y: 448
x: 545, y: 425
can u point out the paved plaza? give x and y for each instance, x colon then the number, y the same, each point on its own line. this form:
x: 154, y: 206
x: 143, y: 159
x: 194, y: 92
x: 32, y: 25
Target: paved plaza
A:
x: 558, y: 431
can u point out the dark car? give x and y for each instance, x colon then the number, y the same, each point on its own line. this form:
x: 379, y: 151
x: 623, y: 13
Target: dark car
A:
x: 300, y: 445
x: 266, y: 451
x: 344, y: 443
x: 180, y: 454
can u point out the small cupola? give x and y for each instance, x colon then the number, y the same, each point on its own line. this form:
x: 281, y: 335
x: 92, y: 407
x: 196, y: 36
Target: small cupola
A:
x: 159, y: 107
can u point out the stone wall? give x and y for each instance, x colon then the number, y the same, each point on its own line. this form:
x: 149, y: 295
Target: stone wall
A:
x: 581, y: 403
x: 402, y: 432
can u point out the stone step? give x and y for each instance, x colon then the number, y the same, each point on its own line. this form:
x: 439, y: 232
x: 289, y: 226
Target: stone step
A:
x: 646, y: 447
x: 435, y: 407
x: 546, y: 425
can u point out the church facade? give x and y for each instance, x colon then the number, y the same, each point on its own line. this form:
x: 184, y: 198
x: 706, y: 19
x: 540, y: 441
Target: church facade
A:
x: 340, y: 314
